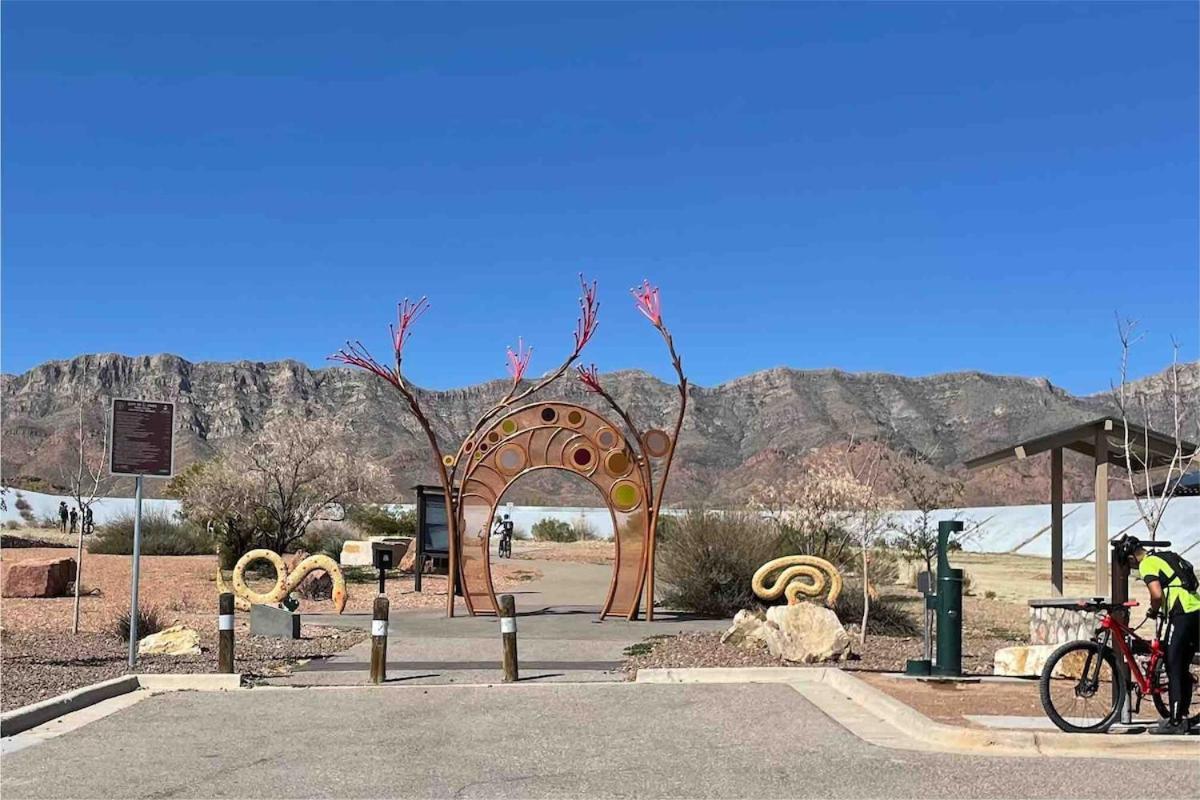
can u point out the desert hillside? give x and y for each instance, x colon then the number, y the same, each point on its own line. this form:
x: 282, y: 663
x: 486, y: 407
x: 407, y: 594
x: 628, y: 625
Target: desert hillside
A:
x: 735, y: 434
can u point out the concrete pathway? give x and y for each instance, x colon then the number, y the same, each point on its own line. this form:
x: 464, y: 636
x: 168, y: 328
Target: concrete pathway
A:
x: 562, y: 740
x: 560, y: 637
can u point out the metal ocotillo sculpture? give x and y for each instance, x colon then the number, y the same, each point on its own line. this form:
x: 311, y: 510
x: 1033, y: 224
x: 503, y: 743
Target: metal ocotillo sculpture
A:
x: 285, y: 582
x: 499, y: 449
x: 798, y: 575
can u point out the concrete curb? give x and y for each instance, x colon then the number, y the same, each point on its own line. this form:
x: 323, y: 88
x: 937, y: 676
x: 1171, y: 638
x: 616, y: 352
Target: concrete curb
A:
x: 189, y: 681
x: 41, y: 712
x: 937, y: 734
x: 22, y: 719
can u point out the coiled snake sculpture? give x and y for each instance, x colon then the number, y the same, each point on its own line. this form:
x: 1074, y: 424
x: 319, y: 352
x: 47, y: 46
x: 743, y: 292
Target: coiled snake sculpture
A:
x: 285, y: 582
x: 798, y: 575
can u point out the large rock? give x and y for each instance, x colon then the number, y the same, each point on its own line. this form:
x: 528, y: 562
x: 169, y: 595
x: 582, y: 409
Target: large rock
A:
x: 1030, y: 660
x: 804, y: 633
x: 173, y: 641
x: 38, y: 577
x: 355, y: 553
x: 808, y: 633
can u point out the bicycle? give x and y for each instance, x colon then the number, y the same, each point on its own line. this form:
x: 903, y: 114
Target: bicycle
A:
x: 1085, y: 673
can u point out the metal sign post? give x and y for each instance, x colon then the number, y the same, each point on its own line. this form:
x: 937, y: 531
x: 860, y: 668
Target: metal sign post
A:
x: 137, y: 563
x: 143, y: 443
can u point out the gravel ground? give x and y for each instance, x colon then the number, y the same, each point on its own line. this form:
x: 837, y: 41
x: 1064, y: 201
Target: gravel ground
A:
x: 37, y: 665
x: 990, y: 625
x: 879, y: 654
x: 39, y: 657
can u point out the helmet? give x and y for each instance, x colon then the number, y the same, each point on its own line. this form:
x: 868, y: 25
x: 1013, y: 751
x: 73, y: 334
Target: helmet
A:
x: 1125, y: 547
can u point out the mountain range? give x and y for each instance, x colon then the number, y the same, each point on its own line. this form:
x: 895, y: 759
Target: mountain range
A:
x: 735, y: 434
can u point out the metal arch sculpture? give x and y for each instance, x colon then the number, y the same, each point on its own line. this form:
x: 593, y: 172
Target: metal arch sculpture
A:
x: 650, y: 447
x: 564, y: 436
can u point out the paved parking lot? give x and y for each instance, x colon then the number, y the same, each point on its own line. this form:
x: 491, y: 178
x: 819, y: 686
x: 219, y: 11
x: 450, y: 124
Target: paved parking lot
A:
x: 549, y: 740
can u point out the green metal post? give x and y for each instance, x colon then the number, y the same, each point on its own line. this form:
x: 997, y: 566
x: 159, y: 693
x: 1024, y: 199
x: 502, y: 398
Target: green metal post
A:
x: 949, y: 606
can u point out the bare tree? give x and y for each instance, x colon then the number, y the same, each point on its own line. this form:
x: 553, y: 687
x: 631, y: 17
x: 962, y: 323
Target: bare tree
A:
x: 919, y: 487
x: 86, y: 484
x: 830, y: 507
x: 293, y: 473
x: 1140, y: 467
x: 871, y: 510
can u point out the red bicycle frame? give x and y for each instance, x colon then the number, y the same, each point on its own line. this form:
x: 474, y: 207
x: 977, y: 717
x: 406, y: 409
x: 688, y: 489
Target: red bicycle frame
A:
x: 1109, y: 625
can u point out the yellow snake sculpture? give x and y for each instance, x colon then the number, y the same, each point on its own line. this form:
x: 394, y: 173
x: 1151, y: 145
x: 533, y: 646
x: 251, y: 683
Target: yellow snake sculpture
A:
x: 285, y: 582
x: 792, y: 569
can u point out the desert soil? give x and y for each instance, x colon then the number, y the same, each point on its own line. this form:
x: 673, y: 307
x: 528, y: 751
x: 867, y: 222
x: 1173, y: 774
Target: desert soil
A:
x: 586, y: 552
x: 40, y: 657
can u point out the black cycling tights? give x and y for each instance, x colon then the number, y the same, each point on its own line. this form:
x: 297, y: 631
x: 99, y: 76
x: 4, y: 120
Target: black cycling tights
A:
x: 1183, y: 640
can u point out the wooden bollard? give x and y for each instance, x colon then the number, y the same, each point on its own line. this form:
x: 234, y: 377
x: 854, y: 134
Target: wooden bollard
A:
x: 379, y: 634
x: 508, y: 632
x: 225, y: 633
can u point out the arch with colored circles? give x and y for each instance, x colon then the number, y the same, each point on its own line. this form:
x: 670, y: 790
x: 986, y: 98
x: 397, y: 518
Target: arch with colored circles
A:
x: 563, y: 436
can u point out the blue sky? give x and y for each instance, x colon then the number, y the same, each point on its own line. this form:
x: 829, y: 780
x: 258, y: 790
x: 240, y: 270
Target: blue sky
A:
x: 911, y: 188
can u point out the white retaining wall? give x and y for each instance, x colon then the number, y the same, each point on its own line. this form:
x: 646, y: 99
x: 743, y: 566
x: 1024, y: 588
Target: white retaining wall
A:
x: 990, y: 529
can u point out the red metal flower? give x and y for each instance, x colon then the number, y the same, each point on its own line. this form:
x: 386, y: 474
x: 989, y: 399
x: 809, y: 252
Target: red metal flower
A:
x: 518, y: 361
x: 407, y: 312
x: 588, y: 314
x: 646, y: 299
x: 590, y: 378
x: 354, y: 354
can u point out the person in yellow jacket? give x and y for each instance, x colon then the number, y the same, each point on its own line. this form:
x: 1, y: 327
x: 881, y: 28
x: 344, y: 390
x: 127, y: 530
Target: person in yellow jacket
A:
x: 1172, y: 586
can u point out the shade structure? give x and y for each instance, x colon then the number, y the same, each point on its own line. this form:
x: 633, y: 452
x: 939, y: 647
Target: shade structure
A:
x: 1107, y: 442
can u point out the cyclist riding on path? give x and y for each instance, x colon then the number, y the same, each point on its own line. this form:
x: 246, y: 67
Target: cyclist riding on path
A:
x: 1172, y: 585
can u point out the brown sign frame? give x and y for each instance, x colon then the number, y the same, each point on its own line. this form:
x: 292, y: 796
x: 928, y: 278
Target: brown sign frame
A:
x: 112, y: 440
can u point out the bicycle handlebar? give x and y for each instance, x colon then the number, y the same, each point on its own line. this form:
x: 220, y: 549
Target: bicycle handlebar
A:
x: 1099, y: 604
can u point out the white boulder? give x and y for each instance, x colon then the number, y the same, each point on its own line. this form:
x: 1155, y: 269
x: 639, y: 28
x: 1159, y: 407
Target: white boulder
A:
x: 173, y: 641
x: 804, y: 633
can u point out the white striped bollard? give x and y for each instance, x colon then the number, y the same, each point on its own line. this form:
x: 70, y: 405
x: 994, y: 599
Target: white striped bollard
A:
x: 379, y: 634
x: 225, y: 633
x: 508, y: 632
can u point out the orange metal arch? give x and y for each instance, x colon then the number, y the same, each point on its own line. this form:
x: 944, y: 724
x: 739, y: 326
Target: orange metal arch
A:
x: 569, y: 437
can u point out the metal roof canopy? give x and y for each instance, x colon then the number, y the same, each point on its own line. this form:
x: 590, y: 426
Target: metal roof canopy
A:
x: 1082, y: 439
x: 1103, y: 441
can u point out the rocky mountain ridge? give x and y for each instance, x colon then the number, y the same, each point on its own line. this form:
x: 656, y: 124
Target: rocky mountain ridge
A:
x: 735, y: 433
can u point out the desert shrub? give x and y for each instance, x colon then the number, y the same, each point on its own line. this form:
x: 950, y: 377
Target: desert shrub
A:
x: 11, y: 524
x: 549, y: 529
x: 884, y: 566
x: 48, y: 521
x: 23, y: 508
x: 149, y: 622
x: 380, y: 521
x: 707, y: 563
x: 162, y: 535
x: 831, y: 542
x: 326, y: 539
x: 582, y: 530
x: 667, y: 525
x: 888, y: 616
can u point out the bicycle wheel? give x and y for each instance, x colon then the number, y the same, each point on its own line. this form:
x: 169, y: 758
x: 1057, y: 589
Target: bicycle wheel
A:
x: 1081, y: 687
x: 1161, y: 699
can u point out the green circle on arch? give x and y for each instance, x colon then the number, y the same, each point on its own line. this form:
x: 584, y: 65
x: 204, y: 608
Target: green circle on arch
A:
x: 625, y: 496
x: 509, y: 426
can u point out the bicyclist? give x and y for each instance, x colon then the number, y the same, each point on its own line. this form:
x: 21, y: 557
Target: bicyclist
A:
x: 1168, y: 593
